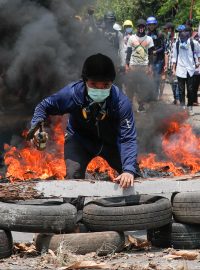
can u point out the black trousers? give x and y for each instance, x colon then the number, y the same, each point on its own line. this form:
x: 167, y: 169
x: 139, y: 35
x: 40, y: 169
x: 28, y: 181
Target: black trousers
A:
x: 77, y: 157
x: 196, y: 87
x: 190, y: 89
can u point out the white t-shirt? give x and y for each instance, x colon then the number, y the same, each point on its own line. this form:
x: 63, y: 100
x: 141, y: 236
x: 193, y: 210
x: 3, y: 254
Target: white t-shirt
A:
x: 140, y: 46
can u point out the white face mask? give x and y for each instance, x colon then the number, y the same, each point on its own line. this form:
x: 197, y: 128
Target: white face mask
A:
x: 98, y: 95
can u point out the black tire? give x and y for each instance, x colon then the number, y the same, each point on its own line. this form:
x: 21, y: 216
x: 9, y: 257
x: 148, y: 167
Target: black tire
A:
x: 47, y: 216
x: 136, y: 212
x: 6, y: 244
x: 176, y: 235
x: 186, y: 207
x: 102, y: 243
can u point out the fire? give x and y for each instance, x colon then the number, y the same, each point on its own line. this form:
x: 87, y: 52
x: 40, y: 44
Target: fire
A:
x: 28, y: 163
x: 98, y: 164
x: 181, y: 147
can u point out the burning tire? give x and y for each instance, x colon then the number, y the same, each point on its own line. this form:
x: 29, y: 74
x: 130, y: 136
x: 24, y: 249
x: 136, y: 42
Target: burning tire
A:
x: 102, y: 243
x: 136, y: 212
x: 176, y: 235
x: 186, y: 207
x: 6, y: 244
x: 33, y: 216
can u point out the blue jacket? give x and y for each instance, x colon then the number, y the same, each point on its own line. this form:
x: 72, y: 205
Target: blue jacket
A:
x: 117, y: 129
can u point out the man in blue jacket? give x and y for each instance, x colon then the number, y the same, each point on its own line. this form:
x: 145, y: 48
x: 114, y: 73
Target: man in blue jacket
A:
x: 101, y: 121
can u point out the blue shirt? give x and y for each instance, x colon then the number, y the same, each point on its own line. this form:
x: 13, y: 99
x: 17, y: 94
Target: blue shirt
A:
x: 117, y: 129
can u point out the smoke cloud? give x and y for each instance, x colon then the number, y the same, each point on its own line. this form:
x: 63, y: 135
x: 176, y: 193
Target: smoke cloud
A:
x: 43, y: 46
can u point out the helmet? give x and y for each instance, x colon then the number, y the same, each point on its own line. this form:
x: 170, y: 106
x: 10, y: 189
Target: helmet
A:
x: 117, y: 27
x: 128, y: 23
x: 110, y: 16
x: 168, y: 25
x: 180, y: 28
x: 98, y: 67
x: 151, y: 20
x: 91, y: 10
x: 141, y: 22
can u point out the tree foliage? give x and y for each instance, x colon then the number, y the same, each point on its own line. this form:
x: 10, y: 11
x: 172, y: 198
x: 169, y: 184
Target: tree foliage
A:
x: 176, y: 11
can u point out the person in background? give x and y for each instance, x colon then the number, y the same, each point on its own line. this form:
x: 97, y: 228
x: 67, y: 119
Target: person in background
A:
x: 185, y: 61
x: 139, y: 59
x: 196, y: 37
x: 168, y: 66
x: 90, y: 26
x: 158, y: 52
x: 109, y: 32
x: 123, y: 41
x: 101, y: 122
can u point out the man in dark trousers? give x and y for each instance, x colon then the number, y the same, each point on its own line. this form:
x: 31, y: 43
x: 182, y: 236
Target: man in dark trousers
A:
x: 101, y: 121
x: 158, y: 52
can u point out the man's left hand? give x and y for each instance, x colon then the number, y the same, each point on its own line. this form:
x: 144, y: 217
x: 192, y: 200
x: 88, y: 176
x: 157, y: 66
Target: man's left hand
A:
x: 125, y: 179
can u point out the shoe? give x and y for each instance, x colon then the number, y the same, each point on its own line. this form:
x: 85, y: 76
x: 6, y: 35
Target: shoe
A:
x: 195, y: 104
x: 178, y: 102
x: 190, y: 110
x: 141, y: 108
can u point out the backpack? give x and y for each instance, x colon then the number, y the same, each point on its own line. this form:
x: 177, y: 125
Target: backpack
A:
x: 192, y: 47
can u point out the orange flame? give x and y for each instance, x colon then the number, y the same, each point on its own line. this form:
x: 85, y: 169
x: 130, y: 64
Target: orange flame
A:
x: 29, y: 163
x: 181, y: 146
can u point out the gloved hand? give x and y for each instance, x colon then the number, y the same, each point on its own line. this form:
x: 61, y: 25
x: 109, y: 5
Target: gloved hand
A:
x: 38, y: 136
x: 40, y: 139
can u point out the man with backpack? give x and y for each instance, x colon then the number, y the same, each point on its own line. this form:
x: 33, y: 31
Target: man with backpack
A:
x: 185, y: 60
x: 139, y: 61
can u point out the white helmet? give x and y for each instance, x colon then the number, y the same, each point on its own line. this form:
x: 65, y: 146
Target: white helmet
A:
x: 117, y: 27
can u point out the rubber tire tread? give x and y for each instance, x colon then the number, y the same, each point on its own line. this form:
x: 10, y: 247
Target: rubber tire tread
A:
x: 6, y: 244
x: 81, y: 243
x: 186, y: 207
x: 145, y: 212
x: 176, y: 235
x: 32, y: 217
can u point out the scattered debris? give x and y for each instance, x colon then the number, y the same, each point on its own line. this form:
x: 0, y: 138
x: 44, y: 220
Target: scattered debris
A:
x: 24, y: 249
x: 137, y: 243
x: 86, y: 265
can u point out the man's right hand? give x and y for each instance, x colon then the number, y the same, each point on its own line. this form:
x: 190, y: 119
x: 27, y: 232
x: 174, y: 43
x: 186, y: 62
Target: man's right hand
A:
x: 38, y: 136
x: 40, y: 139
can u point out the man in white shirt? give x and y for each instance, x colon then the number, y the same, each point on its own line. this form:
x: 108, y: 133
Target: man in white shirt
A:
x: 185, y: 59
x: 139, y: 56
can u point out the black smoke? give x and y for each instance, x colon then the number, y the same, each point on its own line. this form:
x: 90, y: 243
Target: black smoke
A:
x: 43, y: 44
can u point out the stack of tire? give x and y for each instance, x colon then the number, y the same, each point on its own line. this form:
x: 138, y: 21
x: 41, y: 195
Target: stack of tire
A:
x: 184, y: 230
x: 104, y: 220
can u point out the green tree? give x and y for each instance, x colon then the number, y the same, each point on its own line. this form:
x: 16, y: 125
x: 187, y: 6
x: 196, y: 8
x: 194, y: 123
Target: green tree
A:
x: 176, y: 11
x: 179, y: 10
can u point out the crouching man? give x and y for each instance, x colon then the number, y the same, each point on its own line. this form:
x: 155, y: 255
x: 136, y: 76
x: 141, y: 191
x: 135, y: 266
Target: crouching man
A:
x: 101, y: 121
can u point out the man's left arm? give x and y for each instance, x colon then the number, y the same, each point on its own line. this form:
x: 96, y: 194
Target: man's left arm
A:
x: 127, y: 144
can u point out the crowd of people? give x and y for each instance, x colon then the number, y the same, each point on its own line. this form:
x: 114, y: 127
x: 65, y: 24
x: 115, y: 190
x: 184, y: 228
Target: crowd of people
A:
x: 163, y: 54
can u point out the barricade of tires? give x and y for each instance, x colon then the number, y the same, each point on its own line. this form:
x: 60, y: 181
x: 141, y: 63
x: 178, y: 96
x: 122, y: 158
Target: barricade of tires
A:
x: 184, y: 230
x: 106, y: 219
